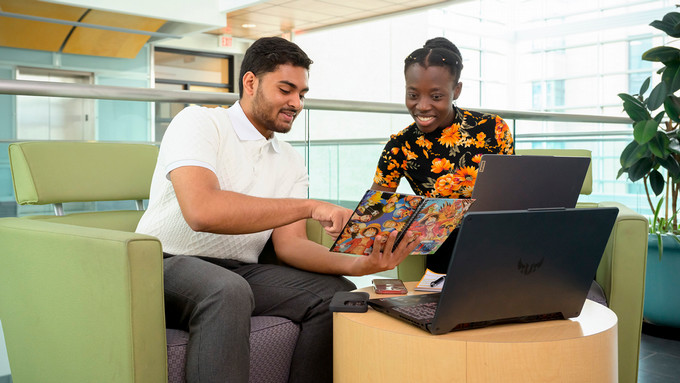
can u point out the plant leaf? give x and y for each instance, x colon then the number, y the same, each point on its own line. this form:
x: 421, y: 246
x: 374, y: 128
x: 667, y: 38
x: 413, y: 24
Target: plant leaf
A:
x: 628, y: 97
x: 632, y: 153
x: 659, y: 117
x: 636, y: 110
x: 671, y: 76
x: 672, y: 107
x: 657, y: 96
x: 640, y: 169
x: 659, y: 145
x: 656, y: 181
x: 645, y: 86
x: 668, y: 24
x: 671, y: 165
x: 655, y: 220
x: 674, y: 146
x: 621, y: 171
x: 664, y: 54
x: 644, y: 131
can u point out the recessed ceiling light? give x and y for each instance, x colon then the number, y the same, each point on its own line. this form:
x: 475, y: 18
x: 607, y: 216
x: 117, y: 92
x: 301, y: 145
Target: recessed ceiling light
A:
x: 248, y: 25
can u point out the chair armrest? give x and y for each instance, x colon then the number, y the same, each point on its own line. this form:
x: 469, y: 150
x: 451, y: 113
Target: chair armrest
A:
x: 317, y: 234
x: 622, y: 276
x: 81, y: 304
x: 622, y: 269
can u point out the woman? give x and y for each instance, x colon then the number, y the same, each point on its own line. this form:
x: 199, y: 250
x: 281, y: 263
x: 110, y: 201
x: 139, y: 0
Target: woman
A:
x: 440, y: 152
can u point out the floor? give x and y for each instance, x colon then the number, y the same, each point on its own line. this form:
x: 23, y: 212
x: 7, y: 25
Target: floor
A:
x: 659, y: 355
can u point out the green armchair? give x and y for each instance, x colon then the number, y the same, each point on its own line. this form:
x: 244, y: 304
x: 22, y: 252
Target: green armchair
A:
x: 81, y: 297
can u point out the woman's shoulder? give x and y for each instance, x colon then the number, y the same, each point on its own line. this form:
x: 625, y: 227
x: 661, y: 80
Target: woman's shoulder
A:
x: 477, y: 114
x: 405, y: 134
x: 474, y: 117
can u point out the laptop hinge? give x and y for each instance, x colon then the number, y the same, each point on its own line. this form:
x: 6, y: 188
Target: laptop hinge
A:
x: 546, y: 208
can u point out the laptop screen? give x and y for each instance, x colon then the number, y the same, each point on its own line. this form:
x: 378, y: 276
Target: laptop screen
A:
x: 528, y: 182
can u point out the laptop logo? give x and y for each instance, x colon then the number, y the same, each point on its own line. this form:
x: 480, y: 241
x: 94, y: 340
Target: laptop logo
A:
x: 481, y: 166
x: 528, y: 268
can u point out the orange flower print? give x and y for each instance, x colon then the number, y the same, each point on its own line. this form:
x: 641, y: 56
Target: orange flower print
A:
x: 465, y: 191
x: 450, y: 136
x: 379, y: 179
x: 445, y: 186
x: 393, y: 164
x: 421, y: 141
x: 480, y: 140
x: 477, y: 158
x: 409, y: 154
x: 503, y: 137
x: 395, y: 174
x: 500, y: 129
x: 389, y: 180
x: 465, y: 176
x: 440, y: 164
x: 395, y: 150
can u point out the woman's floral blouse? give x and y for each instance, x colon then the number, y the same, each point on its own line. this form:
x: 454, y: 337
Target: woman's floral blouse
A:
x: 443, y: 163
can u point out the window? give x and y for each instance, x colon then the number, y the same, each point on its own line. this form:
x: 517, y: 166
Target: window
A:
x: 639, y: 69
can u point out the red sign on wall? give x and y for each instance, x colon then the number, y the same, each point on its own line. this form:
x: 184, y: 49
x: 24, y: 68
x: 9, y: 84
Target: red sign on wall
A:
x: 225, y: 41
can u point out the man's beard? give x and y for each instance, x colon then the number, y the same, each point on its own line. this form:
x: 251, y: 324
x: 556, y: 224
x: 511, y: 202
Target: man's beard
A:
x: 261, y: 113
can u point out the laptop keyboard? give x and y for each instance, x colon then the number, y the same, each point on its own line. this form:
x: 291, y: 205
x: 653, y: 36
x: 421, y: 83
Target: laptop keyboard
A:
x: 419, y: 311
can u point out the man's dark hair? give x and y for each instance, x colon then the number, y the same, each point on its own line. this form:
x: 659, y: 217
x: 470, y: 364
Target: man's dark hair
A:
x: 438, y: 51
x: 267, y: 53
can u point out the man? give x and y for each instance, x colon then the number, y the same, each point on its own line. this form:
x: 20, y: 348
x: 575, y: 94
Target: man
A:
x: 222, y: 186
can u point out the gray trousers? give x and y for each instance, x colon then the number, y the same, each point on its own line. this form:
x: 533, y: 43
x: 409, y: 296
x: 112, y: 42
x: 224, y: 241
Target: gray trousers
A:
x: 213, y: 299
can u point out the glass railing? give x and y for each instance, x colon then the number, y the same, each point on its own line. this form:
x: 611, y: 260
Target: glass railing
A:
x: 341, y: 140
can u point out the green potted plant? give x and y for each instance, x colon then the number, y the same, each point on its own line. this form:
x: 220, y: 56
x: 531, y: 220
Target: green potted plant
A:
x: 653, y: 157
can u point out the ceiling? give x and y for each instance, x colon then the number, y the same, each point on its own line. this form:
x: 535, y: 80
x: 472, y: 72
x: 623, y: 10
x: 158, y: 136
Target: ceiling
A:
x: 16, y: 32
x: 121, y: 28
x: 277, y: 16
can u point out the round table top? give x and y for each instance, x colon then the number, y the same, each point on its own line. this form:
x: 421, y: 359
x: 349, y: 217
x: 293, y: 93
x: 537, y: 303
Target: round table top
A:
x: 594, y: 319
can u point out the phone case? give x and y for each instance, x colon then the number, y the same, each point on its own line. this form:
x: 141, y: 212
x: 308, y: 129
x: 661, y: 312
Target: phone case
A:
x: 389, y: 286
x: 349, y: 301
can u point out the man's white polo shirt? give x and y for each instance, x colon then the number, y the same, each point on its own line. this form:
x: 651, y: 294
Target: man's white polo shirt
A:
x: 225, y: 142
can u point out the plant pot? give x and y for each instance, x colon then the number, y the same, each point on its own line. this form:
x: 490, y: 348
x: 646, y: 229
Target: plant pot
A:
x: 662, y: 283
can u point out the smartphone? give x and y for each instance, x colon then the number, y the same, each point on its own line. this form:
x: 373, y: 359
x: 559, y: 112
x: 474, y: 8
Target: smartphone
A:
x: 389, y: 286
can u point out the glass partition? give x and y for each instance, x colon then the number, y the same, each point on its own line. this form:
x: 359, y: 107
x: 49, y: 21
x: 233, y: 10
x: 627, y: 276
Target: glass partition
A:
x: 341, y: 146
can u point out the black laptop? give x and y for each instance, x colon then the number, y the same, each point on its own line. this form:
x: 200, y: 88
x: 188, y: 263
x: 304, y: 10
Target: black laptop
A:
x: 523, y: 182
x: 512, y: 266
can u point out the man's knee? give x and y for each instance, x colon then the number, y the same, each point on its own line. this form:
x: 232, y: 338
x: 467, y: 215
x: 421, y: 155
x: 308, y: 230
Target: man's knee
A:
x: 230, y: 291
x: 333, y: 284
x: 209, y: 284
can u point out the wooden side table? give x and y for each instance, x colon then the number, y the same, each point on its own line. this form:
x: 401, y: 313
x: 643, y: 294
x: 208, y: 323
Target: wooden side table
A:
x: 374, y: 347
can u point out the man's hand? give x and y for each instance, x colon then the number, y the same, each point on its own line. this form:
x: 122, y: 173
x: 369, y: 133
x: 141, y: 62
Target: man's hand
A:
x: 386, y: 259
x: 332, y: 217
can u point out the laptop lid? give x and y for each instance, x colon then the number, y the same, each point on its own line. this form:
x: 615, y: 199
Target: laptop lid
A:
x: 524, y: 182
x: 514, y: 264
